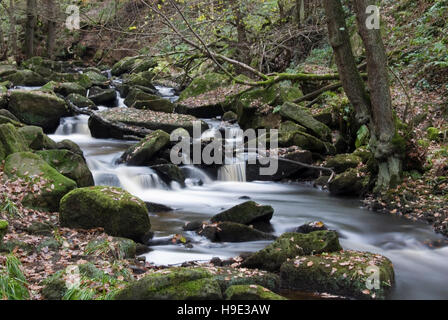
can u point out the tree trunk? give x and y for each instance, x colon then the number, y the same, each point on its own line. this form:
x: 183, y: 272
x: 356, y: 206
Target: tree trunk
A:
x: 12, y: 29
x: 29, y: 27
x: 242, y: 42
x: 51, y: 35
x: 381, y: 102
x: 345, y: 61
x: 300, y: 12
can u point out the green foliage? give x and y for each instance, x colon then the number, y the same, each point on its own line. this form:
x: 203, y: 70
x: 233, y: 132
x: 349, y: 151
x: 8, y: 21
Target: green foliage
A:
x: 13, y: 284
x: 9, y: 207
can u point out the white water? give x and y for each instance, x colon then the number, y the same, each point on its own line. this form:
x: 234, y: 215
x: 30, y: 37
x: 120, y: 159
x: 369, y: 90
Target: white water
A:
x: 420, y: 271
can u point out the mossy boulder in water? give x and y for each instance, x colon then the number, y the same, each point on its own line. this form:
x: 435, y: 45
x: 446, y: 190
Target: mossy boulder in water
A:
x: 101, y: 96
x: 251, y: 292
x: 141, y: 79
x: 3, y: 229
x: 54, y: 186
x: 36, y: 139
x: 79, y: 78
x: 115, y: 210
x: 303, y: 117
x: 7, y: 69
x: 143, y: 152
x: 65, y: 88
x: 245, y: 213
x: 70, y: 165
x: 233, y: 232
x: 347, y: 273
x: 169, y: 173
x: 11, y: 141
x: 97, y: 78
x: 291, y: 244
x: 25, y: 78
x: 173, y: 284
x: 81, y: 101
x: 70, y: 145
x: 141, y: 100
x: 38, y: 108
x: 349, y: 183
x: 343, y: 162
x: 133, y: 64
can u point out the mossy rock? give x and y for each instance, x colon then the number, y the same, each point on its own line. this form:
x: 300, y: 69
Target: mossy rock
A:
x: 48, y: 243
x: 248, y: 212
x: 11, y: 141
x: 65, y: 88
x: 145, y: 150
x: 133, y: 64
x: 13, y: 245
x: 96, y: 78
x: 365, y: 154
x: 343, y: 162
x: 349, y: 183
x: 81, y: 101
x: 114, y: 209
x: 26, y: 165
x: 40, y: 229
x: 169, y: 173
x: 308, y: 142
x: 67, y: 144
x: 7, y: 69
x: 250, y: 292
x: 54, y: 287
x: 36, y: 139
x: 343, y: 273
x: 230, y: 116
x: 141, y: 100
x: 203, y: 84
x: 38, y: 108
x: 286, y: 132
x: 228, y: 276
x: 233, y: 232
x: 7, y: 114
x: 290, y: 245
x: 101, y: 96
x: 69, y: 164
x: 3, y: 229
x: 304, y: 117
x: 25, y: 78
x: 79, y: 78
x: 141, y: 79
x: 173, y: 284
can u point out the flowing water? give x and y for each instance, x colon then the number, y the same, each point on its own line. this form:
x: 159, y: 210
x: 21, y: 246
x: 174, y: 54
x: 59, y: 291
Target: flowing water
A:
x: 420, y: 271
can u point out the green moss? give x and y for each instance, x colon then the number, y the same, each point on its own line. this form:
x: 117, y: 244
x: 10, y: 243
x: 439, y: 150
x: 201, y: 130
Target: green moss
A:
x: 290, y: 245
x: 245, y: 213
x: 433, y: 134
x: 143, y: 152
x: 36, y: 139
x: 69, y: 164
x: 251, y: 292
x: 343, y: 162
x: 80, y: 101
x: 203, y: 84
x: 96, y: 78
x: 3, y: 229
x: 25, y: 78
x: 343, y: 273
x: 115, y: 210
x: 27, y: 165
x: 11, y: 141
x: 349, y: 183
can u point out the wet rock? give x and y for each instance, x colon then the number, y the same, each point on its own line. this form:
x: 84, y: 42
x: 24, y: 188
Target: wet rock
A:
x: 55, y: 185
x: 245, y: 213
x: 343, y: 273
x: 304, y: 117
x: 322, y: 181
x: 173, y: 284
x: 65, y: 88
x: 100, y: 96
x: 36, y: 139
x: 69, y: 164
x: 67, y: 144
x: 349, y: 183
x: 343, y: 162
x: 133, y: 64
x: 250, y: 292
x: 233, y: 232
x: 311, y: 227
x: 157, y: 207
x: 170, y: 173
x: 97, y: 78
x: 38, y: 108
x: 144, y: 151
x: 121, y: 122
x: 193, y: 226
x: 41, y: 229
x: 290, y: 245
x: 7, y: 69
x: 8, y: 114
x: 141, y: 79
x: 11, y: 141
x: 79, y: 78
x: 141, y: 100
x: 115, y: 210
x: 230, y: 116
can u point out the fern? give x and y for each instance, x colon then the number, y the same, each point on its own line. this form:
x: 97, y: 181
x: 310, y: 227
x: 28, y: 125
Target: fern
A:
x: 13, y: 284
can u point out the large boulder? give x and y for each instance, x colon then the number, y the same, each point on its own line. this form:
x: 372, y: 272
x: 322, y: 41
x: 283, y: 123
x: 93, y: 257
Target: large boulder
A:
x: 101, y: 96
x: 143, y: 152
x: 115, y: 210
x: 38, y: 108
x: 97, y: 78
x: 52, y: 185
x: 170, y: 172
x: 79, y: 78
x: 304, y: 117
x: 70, y: 165
x: 352, y: 183
x: 248, y: 212
x: 11, y: 141
x: 133, y: 64
x: 141, y: 100
x: 81, y: 101
x: 343, y: 162
x: 64, y: 88
x: 345, y: 273
x: 290, y: 245
x: 36, y: 139
x: 173, y: 284
x: 121, y: 122
x: 25, y: 78
x: 7, y: 69
x: 250, y: 292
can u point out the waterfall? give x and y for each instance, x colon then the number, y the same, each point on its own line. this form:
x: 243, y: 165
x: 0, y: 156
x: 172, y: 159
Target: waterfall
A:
x: 233, y: 172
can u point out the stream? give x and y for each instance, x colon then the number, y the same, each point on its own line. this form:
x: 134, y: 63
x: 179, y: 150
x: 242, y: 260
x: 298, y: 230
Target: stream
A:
x: 420, y: 271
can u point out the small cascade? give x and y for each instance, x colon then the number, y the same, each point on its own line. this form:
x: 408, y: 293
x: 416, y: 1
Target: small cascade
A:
x: 73, y: 125
x: 195, y: 176
x: 233, y: 172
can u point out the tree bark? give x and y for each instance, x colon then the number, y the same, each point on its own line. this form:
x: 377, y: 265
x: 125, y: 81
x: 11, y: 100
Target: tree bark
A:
x: 30, y: 26
x: 51, y: 32
x: 380, y: 98
x: 243, y: 51
x: 12, y: 29
x: 345, y: 61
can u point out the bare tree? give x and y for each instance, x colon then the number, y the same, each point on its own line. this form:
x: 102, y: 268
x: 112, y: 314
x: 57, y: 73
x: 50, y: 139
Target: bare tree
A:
x: 51, y: 26
x: 30, y: 26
